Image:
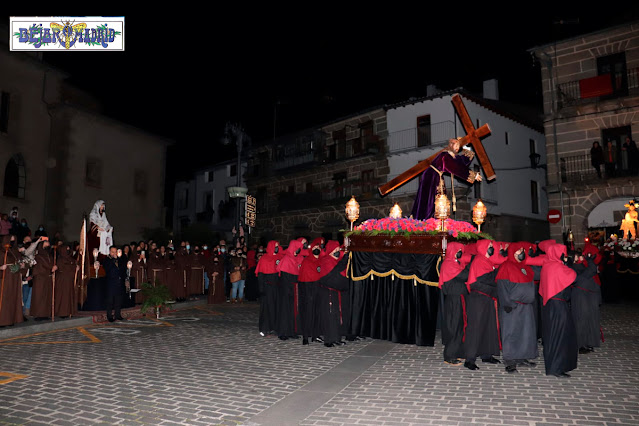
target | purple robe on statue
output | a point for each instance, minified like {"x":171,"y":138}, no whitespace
{"x":424,"y":206}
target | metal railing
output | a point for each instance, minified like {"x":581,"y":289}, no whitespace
{"x":569,"y":93}
{"x":437,"y":133}
{"x":294,"y":161}
{"x":577,"y":168}
{"x":333,"y":193}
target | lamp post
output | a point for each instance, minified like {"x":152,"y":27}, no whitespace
{"x":235,"y":133}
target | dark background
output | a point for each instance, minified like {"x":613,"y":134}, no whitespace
{"x":184,"y":74}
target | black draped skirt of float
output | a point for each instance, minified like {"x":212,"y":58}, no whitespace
{"x":560,"y":336}
{"x":394,"y":296}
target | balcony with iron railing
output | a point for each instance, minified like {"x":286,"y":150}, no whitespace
{"x":579,"y":169}
{"x":415,"y":138}
{"x":328,"y":194}
{"x":318,"y":154}
{"x":597,"y":88}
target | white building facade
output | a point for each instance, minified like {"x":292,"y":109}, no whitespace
{"x":516,"y":199}
{"x":205,"y":198}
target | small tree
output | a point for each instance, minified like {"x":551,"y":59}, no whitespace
{"x":154,"y":297}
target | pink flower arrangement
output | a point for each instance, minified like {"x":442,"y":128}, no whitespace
{"x":403,"y":225}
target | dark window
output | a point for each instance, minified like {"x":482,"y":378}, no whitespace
{"x":261,"y":200}
{"x":291,"y":189}
{"x":617,"y":135}
{"x":15,"y":177}
{"x":507,"y":138}
{"x":534,"y":157}
{"x":233,"y":171}
{"x":615,"y":66}
{"x":4,"y":112}
{"x":208,"y":199}
{"x":476,"y":185}
{"x":183,"y":202}
{"x":423,"y":131}
{"x":534,"y":196}
{"x":309,"y":186}
{"x":140,"y":183}
{"x":93,"y":172}
{"x":338,"y":149}
{"x":368,"y":183}
{"x":340,"y":184}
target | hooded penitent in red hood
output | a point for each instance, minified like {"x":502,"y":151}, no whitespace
{"x":543,"y":245}
{"x":471,"y":249}
{"x":596,"y":255}
{"x":309,"y":271}
{"x":450,"y":267}
{"x":481,"y":264}
{"x":269,"y":261}
{"x":513,"y":270}
{"x":291,"y":263}
{"x":555,"y":276}
{"x":305,"y":252}
{"x":327,"y":262}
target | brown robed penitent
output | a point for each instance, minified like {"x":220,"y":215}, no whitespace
{"x":473,"y":137}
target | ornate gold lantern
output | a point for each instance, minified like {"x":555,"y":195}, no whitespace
{"x":395,"y":212}
{"x":479,"y":214}
{"x":442,"y":205}
{"x":352,"y":210}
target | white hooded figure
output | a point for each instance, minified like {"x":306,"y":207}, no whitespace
{"x":100,"y":222}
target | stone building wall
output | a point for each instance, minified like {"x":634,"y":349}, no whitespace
{"x":577,"y":125}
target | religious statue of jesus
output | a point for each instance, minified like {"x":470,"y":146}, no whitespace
{"x":628,"y":223}
{"x":100,"y":234}
{"x":450,"y":160}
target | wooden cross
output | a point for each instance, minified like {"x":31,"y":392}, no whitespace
{"x":473,"y":137}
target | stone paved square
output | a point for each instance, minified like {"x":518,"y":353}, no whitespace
{"x":207,"y":365}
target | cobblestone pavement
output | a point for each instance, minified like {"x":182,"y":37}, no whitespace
{"x":208,"y":365}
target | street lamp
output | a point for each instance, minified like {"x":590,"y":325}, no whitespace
{"x":235,"y":133}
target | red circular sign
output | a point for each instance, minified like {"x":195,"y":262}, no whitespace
{"x":554,"y":216}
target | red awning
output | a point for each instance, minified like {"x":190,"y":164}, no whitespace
{"x":595,"y":86}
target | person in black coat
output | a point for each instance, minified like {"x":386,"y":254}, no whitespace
{"x":332,"y":286}
{"x":597,"y":157}
{"x":585,"y":302}
{"x":452,"y":282}
{"x":482,"y":332}
{"x":115,"y":269}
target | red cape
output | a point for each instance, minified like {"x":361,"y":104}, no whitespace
{"x":512,"y":269}
{"x":543,"y":245}
{"x":555,"y":276}
{"x":450,"y":266}
{"x":309,"y":271}
{"x":481,"y":264}
{"x":269,"y":261}
{"x":328,"y":263}
{"x":304,"y":252}
{"x":291,"y":263}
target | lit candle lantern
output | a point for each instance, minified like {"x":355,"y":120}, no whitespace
{"x":479,"y":213}
{"x":352,"y":210}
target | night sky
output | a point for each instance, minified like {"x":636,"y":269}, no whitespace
{"x":183,"y":76}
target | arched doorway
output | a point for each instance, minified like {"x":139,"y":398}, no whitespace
{"x":605,"y":219}
{"x":15,"y":177}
